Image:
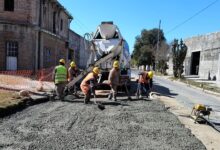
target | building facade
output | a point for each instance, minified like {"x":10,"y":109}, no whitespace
{"x":74,"y":46}
{"x":203,"y":57}
{"x":33,"y":34}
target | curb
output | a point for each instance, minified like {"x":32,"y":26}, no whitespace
{"x":192,"y":86}
{"x":25,"y":103}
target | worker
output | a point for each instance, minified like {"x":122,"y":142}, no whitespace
{"x":60,"y":76}
{"x":88,"y":84}
{"x":143,"y":83}
{"x":72,"y":73}
{"x":113,"y":79}
{"x":150,"y":74}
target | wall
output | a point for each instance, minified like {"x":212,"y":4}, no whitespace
{"x":57,"y":50}
{"x":84,"y":53}
{"x":22,"y":25}
{"x":209,"y":47}
{"x":25,"y":36}
{"x":74,"y":44}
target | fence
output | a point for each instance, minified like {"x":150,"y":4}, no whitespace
{"x":27,"y":80}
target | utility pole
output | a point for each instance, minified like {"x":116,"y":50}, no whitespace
{"x":158,"y":36}
{"x":158,"y":41}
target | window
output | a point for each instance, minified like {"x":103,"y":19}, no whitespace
{"x":9,"y":5}
{"x":54,"y":22}
{"x":47,"y":55}
{"x":71,"y":54}
{"x":61,"y":24}
{"x":12,"y":48}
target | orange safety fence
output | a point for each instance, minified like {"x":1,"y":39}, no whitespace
{"x":27,"y":80}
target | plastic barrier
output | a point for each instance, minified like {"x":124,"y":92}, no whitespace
{"x":27,"y":80}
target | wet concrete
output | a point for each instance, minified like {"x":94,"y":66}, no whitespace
{"x":136,"y":124}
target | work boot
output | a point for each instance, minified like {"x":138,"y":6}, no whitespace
{"x":86,"y":100}
{"x":114,"y":98}
{"x":110,"y":96}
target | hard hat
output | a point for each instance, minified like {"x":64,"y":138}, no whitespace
{"x":62,"y":61}
{"x":150,"y":74}
{"x":73,"y":64}
{"x":199,"y":107}
{"x":116,"y":64}
{"x":96,"y":70}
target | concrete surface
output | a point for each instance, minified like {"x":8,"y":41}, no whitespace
{"x":134,"y":124}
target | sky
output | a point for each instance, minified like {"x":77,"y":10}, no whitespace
{"x":179,"y":18}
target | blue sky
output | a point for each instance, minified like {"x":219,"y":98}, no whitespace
{"x":131,"y":16}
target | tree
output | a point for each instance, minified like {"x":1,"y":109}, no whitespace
{"x":145,"y":47}
{"x":179,"y":53}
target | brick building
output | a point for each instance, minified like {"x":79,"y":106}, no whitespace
{"x":74,"y":46}
{"x":34,"y":34}
{"x":79,"y":49}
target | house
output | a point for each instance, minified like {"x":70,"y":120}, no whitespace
{"x":203,"y":57}
{"x":34,"y":34}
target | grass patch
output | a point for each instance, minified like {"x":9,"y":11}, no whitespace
{"x":203,"y":85}
{"x":9,"y":98}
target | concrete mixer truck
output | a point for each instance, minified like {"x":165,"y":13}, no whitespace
{"x":107,"y":45}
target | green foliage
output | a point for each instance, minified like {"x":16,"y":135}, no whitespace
{"x":179,"y":53}
{"x":162,"y":66}
{"x":145,"y":46}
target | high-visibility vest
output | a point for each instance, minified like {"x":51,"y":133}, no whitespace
{"x":61,"y":74}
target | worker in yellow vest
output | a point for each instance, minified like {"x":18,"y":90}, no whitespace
{"x":60,"y":76}
{"x":88,"y":84}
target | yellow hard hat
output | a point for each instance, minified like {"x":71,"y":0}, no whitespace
{"x":96,"y":70}
{"x":199,"y":107}
{"x":150,"y":74}
{"x":62,"y":61}
{"x":116,"y":64}
{"x":73,"y":64}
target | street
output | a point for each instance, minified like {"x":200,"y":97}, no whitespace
{"x":188,"y":96}
{"x":125,"y":124}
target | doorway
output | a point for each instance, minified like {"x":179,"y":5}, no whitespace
{"x":195,"y":63}
{"x":12,"y":55}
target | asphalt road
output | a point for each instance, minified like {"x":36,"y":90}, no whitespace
{"x":189,"y":96}
{"x":186,"y":95}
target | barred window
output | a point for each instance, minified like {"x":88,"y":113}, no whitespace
{"x":12,"y":48}
{"x":47,"y":55}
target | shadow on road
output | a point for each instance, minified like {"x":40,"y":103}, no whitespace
{"x":164,"y":90}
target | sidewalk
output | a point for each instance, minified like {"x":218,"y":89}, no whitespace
{"x":203,"y":82}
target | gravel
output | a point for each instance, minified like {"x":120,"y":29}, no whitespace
{"x":137,"y":124}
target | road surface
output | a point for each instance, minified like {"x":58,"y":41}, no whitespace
{"x":136,"y":124}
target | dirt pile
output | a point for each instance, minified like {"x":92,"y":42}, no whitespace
{"x":134,"y":124}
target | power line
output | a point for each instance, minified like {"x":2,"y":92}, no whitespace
{"x":82,"y":25}
{"x":200,"y":11}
